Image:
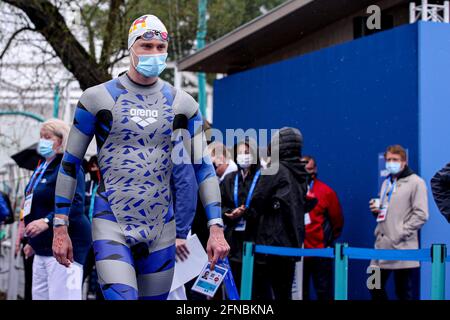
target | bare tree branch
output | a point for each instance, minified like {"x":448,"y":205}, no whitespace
{"x":51,"y":24}
{"x":12,"y":38}
{"x":87,"y":15}
{"x":130,"y":6}
{"x":44,"y":49}
{"x":118,"y":58}
{"x":177,"y":23}
{"x":87,"y":22}
{"x":113,"y":15}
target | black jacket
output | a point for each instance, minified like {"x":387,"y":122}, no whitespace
{"x":280,"y":199}
{"x":440,"y":186}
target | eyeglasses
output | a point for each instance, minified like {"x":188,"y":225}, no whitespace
{"x":151,"y":34}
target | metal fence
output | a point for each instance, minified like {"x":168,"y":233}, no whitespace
{"x":341,"y":253}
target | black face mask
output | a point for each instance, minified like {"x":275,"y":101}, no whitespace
{"x":93,"y":175}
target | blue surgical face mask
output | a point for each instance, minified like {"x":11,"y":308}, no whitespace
{"x":393,"y":167}
{"x":151,"y":65}
{"x":45,"y":148}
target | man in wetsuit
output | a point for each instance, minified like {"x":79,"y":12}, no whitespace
{"x":137,"y":120}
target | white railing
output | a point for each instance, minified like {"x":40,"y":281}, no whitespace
{"x":429,"y":12}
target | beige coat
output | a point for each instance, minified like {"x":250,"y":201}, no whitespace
{"x":407,"y":213}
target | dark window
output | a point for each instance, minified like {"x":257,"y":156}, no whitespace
{"x":360,"y":25}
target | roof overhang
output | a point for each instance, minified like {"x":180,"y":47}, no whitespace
{"x":239,"y":49}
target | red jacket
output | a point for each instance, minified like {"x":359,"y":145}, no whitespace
{"x":326,"y":218}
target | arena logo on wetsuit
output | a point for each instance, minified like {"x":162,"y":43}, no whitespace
{"x":144,"y":117}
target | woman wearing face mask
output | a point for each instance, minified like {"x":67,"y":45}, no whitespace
{"x":52,"y":281}
{"x":237,"y":190}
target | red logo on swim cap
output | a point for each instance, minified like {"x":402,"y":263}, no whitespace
{"x":142,"y":21}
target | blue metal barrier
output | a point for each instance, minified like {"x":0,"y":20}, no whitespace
{"x":295,"y":252}
{"x":247,"y":271}
{"x":383,"y":254}
{"x":437,"y":255}
{"x":341,"y":272}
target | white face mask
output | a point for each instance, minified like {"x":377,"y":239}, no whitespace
{"x":244,"y":160}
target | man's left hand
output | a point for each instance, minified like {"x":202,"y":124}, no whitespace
{"x":217,"y":247}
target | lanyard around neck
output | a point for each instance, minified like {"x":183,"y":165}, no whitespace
{"x":250,"y":192}
{"x":393,"y":186}
{"x":37,"y":176}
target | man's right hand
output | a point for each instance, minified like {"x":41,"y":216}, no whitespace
{"x":373,"y":207}
{"x":236,"y":213}
{"x":217,"y":247}
{"x":62,"y":246}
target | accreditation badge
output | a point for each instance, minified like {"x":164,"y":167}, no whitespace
{"x":307,"y":219}
{"x":241,"y":225}
{"x":209,"y":280}
{"x":27,"y":205}
{"x":383,"y":213}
